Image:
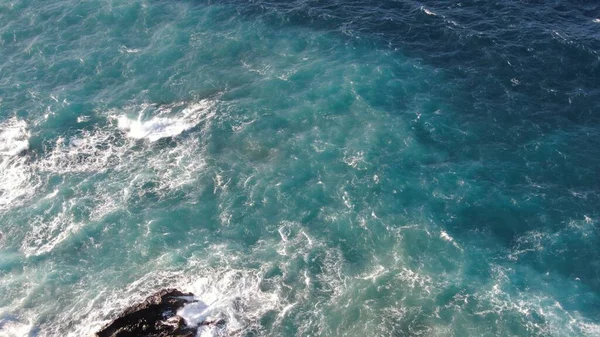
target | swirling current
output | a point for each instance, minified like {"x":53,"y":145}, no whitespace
{"x":306,"y":168}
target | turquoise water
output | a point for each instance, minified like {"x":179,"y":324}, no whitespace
{"x":305,"y":168}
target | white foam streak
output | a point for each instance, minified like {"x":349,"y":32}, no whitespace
{"x":151,"y":172}
{"x":89,"y":151}
{"x":540,"y":313}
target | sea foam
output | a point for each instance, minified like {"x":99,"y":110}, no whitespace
{"x":14,"y":137}
{"x":15,"y":175}
{"x":167,"y":123}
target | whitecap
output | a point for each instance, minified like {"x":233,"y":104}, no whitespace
{"x":47,"y":232}
{"x":15,"y":174}
{"x":14,"y":328}
{"x":16,"y":180}
{"x":124,"y":49}
{"x":14,"y":137}
{"x":171,"y":125}
{"x":446,"y":237}
{"x":374,"y":274}
{"x":154,"y":129}
{"x":427,"y":11}
{"x":355,"y":159}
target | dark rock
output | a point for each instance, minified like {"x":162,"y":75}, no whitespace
{"x":155,"y":317}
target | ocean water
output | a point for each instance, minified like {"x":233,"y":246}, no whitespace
{"x":305,"y":168}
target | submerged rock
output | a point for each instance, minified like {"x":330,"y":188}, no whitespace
{"x":155,"y":317}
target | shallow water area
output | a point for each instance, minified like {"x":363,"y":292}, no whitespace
{"x":304,"y":168}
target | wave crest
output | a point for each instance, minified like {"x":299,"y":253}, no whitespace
{"x":14,"y":137}
{"x":15,"y":175}
{"x":168,"y":122}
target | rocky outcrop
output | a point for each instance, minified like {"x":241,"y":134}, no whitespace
{"x":155,"y":317}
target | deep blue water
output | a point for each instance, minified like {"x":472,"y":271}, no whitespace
{"x":306,"y":168}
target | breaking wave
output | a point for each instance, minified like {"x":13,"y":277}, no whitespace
{"x":15,"y":176}
{"x":14,"y":137}
{"x":89,"y":155}
{"x":159,"y":127}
